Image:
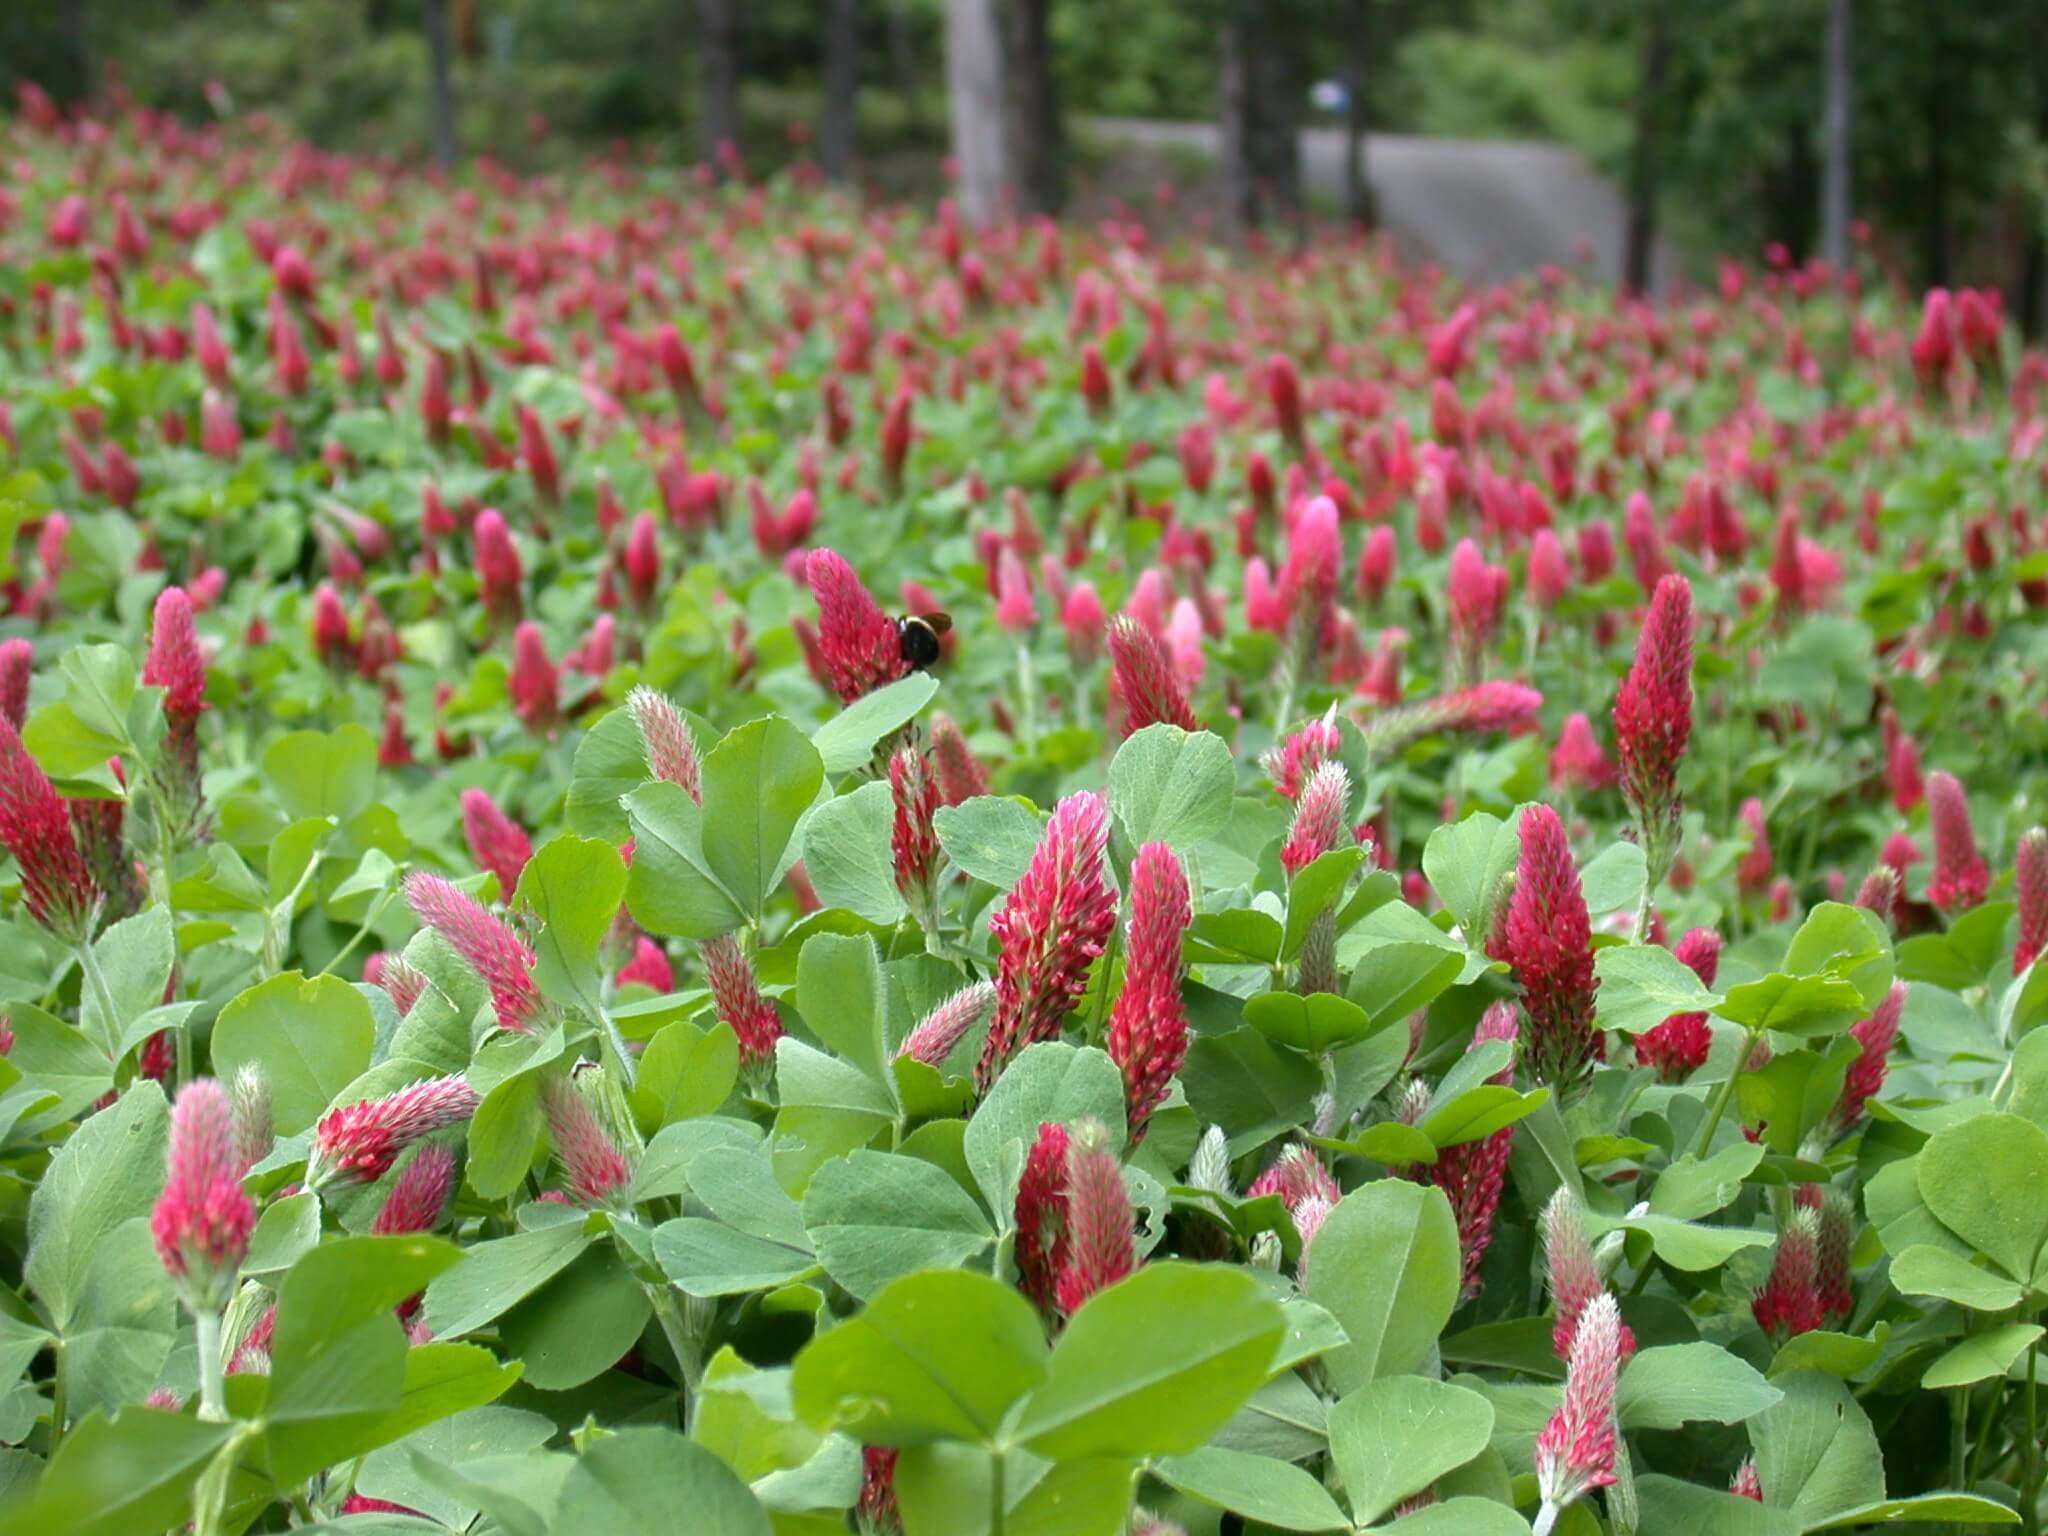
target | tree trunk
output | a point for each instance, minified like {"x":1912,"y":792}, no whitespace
{"x":1277,"y":131}
{"x":842,"y":79}
{"x":2033,"y":305}
{"x":71,"y":17}
{"x":1036,"y":142}
{"x":1837,"y":119}
{"x":1234,"y":92}
{"x":718,"y":57}
{"x":974,"y":101}
{"x":440,"y":86}
{"x":1934,"y":226}
{"x":1642,"y":180}
{"x":1358,"y":199}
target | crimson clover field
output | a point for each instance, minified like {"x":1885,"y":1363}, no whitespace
{"x":688,"y":856}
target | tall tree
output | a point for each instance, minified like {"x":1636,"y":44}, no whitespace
{"x":1641,"y":237}
{"x":440,"y":82}
{"x":974,"y":101}
{"x":1358,"y":200}
{"x":719,"y":63}
{"x":1838,"y":115}
{"x":1237,"y":105}
{"x":842,"y":80}
{"x":1038,"y":149}
{"x":1934,"y":231}
{"x":903,"y":64}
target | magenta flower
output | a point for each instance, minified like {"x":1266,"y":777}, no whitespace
{"x":935,"y":1035}
{"x":1141,"y":678}
{"x":1307,"y":584}
{"x":1678,"y":1047}
{"x":2030,"y":885}
{"x":1745,"y":1484}
{"x":358,"y":1143}
{"x":913,"y":844}
{"x":1865,"y":1077}
{"x":1476,"y":593}
{"x":400,"y":981}
{"x":1297,"y":1175}
{"x":737,"y":999}
{"x":37,"y":829}
{"x":496,"y":842}
{"x":1148,"y":1026}
{"x":534,"y":682}
{"x":1052,"y":925}
{"x":960,"y":773}
{"x":420,"y":1196}
{"x":1098,"y":1220}
{"x":1570,"y":1274}
{"x":1470,"y":1173}
{"x":857,"y":642}
{"x":498,"y":569}
{"x":1753,"y":872}
{"x":1319,"y":824}
{"x":1491,"y":706}
{"x":202,"y":1220}
{"x":1880,"y":893}
{"x":1575,"y":1450}
{"x":1788,"y":1302}
{"x":1290,"y":764}
{"x":1653,"y":722}
{"x":1375,"y":571}
{"x":649,"y":967}
{"x":1546,"y":939}
{"x":1578,"y":764}
{"x":174,"y":662}
{"x":17,"y":660}
{"x":1960,"y":879}
{"x":1040,"y":1217}
{"x":485,"y":945}
{"x":1834,"y":1214}
{"x":596,"y":1171}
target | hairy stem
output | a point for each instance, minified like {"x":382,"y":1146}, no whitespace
{"x":1718,"y":1105}
{"x":212,"y":1379}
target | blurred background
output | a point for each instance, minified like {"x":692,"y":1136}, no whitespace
{"x":1638,"y":138}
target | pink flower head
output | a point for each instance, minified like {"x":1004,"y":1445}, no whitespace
{"x":2030,"y":885}
{"x":896,"y":433}
{"x":202,"y":1220}
{"x":1570,"y":1274}
{"x":358,"y":1143}
{"x":1880,"y":893}
{"x":1753,"y":873}
{"x":37,"y":829}
{"x":1095,"y":387}
{"x":648,"y":968}
{"x":1296,"y":1176}
{"x":1678,"y":1047}
{"x":1290,"y":764}
{"x":1283,"y":389}
{"x":1450,"y":343}
{"x":1575,"y":1450}
{"x":1865,"y":1077}
{"x":913,"y":844}
{"x":1375,"y":571}
{"x":1547,"y":941}
{"x":496,"y":842}
{"x":1319,"y":825}
{"x":1960,"y":878}
{"x":1835,"y":1236}
{"x":1148,"y":1026}
{"x":1142,"y":678}
{"x":1645,"y":543}
{"x":935,"y":1035}
{"x":857,"y":641}
{"x":1653,"y":721}
{"x":498,"y":570}
{"x":1308,"y":579}
{"x":736,"y":996}
{"x":1098,"y":1220}
{"x":1934,"y":347}
{"x":17,"y":660}
{"x":1184,"y":644}
{"x":1745,"y":1484}
{"x":1578,"y":763}
{"x":1471,"y":1173}
{"x":1476,"y":593}
{"x":1902,"y":772}
{"x":1550,"y":575}
{"x":420,"y":1196}
{"x":1082,"y":617}
{"x":596,"y":1171}
{"x":643,"y":561}
{"x":878,"y":1505}
{"x":1016,"y":608}
{"x":485,"y":945}
{"x":960,"y":773}
{"x":535,"y":684}
{"x":1041,"y":1217}
{"x":671,"y":749}
{"x":1789,"y":1303}
{"x":174,"y":662}
{"x":1491,"y":706}
{"x":401,"y":982}
{"x":1052,"y":925}
{"x":538,"y":454}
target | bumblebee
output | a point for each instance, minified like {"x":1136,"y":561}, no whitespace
{"x":917,"y":638}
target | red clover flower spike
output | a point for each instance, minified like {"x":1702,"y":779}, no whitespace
{"x":856,"y":640}
{"x":1653,"y":722}
{"x":1575,"y":1450}
{"x":1148,"y":1026}
{"x":1547,"y":942}
{"x":485,"y":945}
{"x":202,"y":1220}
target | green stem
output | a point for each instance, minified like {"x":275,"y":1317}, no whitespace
{"x":1027,"y":698}
{"x":682,"y":1340}
{"x":1718,"y":1105}
{"x":361,"y":933}
{"x":212,"y":1379}
{"x":57,"y":1396}
{"x":2030,"y":1501}
{"x":166,"y":859}
{"x":997,"y":1501}
{"x":1958,"y":1437}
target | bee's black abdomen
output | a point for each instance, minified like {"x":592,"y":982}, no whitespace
{"x":918,"y":642}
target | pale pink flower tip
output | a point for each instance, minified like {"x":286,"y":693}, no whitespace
{"x":1099,"y":1248}
{"x":202,"y":1220}
{"x":1319,"y":825}
{"x":174,"y":662}
{"x":1575,"y":1451}
{"x":358,"y":1143}
{"x":737,"y":999}
{"x":2030,"y":885}
{"x":421,"y":1194}
{"x":935,"y":1035}
{"x":671,"y":749}
{"x":596,"y":1171}
{"x":485,"y":945}
{"x":17,"y":661}
{"x":497,"y":843}
{"x":1570,"y":1274}
{"x":1960,"y":879}
{"x":1142,"y":678}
